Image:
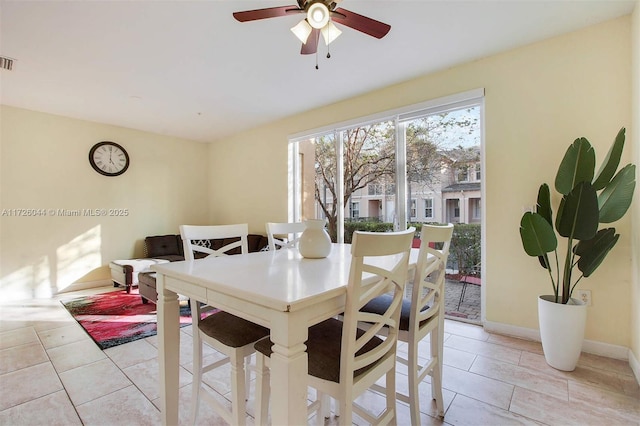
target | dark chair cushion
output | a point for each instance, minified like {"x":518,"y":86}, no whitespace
{"x":170,"y":257}
{"x":231,"y":330}
{"x":380,"y":304}
{"x":323,"y":348}
{"x":163,"y":245}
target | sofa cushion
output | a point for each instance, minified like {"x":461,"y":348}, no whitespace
{"x":257,"y":242}
{"x":171,"y":257}
{"x":169,"y":247}
{"x":163,"y":245}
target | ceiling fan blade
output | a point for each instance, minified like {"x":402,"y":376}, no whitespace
{"x":311,"y":46}
{"x":270,"y":12}
{"x":361,"y":23}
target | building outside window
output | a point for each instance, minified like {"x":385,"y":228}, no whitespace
{"x":428,"y":208}
{"x":375,"y":189}
{"x":355,"y":210}
{"x":475,"y":208}
{"x":478,"y":172}
{"x":439,"y":146}
{"x":390,"y":189}
{"x":463,"y":173}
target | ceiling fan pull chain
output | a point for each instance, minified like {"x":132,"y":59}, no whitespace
{"x":317,"y":59}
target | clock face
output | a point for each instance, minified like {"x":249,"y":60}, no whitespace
{"x":109,"y":158}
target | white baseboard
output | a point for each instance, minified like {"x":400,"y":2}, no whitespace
{"x":635,"y":365}
{"x":85,"y":285}
{"x":589,"y":346}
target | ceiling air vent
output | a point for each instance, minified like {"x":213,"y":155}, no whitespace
{"x":6,"y":63}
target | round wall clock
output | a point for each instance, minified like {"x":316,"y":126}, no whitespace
{"x":109,"y":158}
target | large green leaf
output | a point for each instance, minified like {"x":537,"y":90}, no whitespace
{"x":544,"y":203}
{"x":544,"y":261}
{"x":615,"y":199}
{"x":578,"y":214}
{"x":578,"y":165}
{"x":538,"y":237}
{"x":592,"y":252}
{"x":610,"y":164}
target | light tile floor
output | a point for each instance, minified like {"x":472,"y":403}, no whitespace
{"x":52,"y":373}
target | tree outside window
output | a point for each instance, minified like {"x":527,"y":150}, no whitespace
{"x":369,"y":159}
{"x":462,"y":174}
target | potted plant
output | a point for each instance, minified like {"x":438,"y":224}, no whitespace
{"x":587,"y":200}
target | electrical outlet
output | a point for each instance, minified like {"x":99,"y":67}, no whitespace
{"x":585,"y":296}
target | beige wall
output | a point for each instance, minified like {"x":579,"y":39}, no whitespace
{"x":538,"y":100}
{"x":635,"y":137}
{"x":44,"y":165}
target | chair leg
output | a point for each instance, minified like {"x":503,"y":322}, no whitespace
{"x":345,"y":408}
{"x":390,"y":391}
{"x":239,"y":404}
{"x":197,"y":376}
{"x":263,"y":390}
{"x":436,"y":389}
{"x":414,"y":392}
{"x":437,"y":348}
{"x":325,"y":404}
{"x":247,"y":377}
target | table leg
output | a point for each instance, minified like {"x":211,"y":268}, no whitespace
{"x":289,"y":370}
{"x":168,"y":351}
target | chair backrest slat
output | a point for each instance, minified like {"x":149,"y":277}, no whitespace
{"x":193,"y":234}
{"x":291,"y":231}
{"x":427,"y":296}
{"x":365,"y":283}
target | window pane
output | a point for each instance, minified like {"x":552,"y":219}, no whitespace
{"x":317,"y":158}
{"x":369,"y":175}
{"x":442,"y":152}
{"x":428,"y":208}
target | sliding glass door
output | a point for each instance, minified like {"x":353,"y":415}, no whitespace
{"x":413,"y":167}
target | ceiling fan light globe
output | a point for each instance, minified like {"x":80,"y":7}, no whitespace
{"x":318,"y":15}
{"x":302,"y":30}
{"x":330,"y":32}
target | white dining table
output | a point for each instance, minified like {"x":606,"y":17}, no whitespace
{"x":278,"y":289}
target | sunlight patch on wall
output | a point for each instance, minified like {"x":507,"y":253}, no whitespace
{"x":30,"y":282}
{"x":78,"y":257}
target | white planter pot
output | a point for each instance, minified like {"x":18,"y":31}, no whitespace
{"x":561,"y":331}
{"x":314,"y":242}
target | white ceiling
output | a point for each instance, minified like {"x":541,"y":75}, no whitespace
{"x":188,"y":69}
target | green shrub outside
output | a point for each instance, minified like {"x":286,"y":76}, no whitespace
{"x":464,"y":253}
{"x":350,"y":226}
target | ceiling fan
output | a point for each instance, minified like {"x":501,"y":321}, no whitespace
{"x":320,"y":16}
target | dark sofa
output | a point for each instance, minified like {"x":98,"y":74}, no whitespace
{"x":169,"y":247}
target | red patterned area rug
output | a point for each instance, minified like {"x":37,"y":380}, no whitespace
{"x":116,"y":317}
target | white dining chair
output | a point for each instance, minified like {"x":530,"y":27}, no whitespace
{"x":232,"y":336}
{"x":344,"y":360}
{"x":423,"y":315}
{"x":284,"y":235}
